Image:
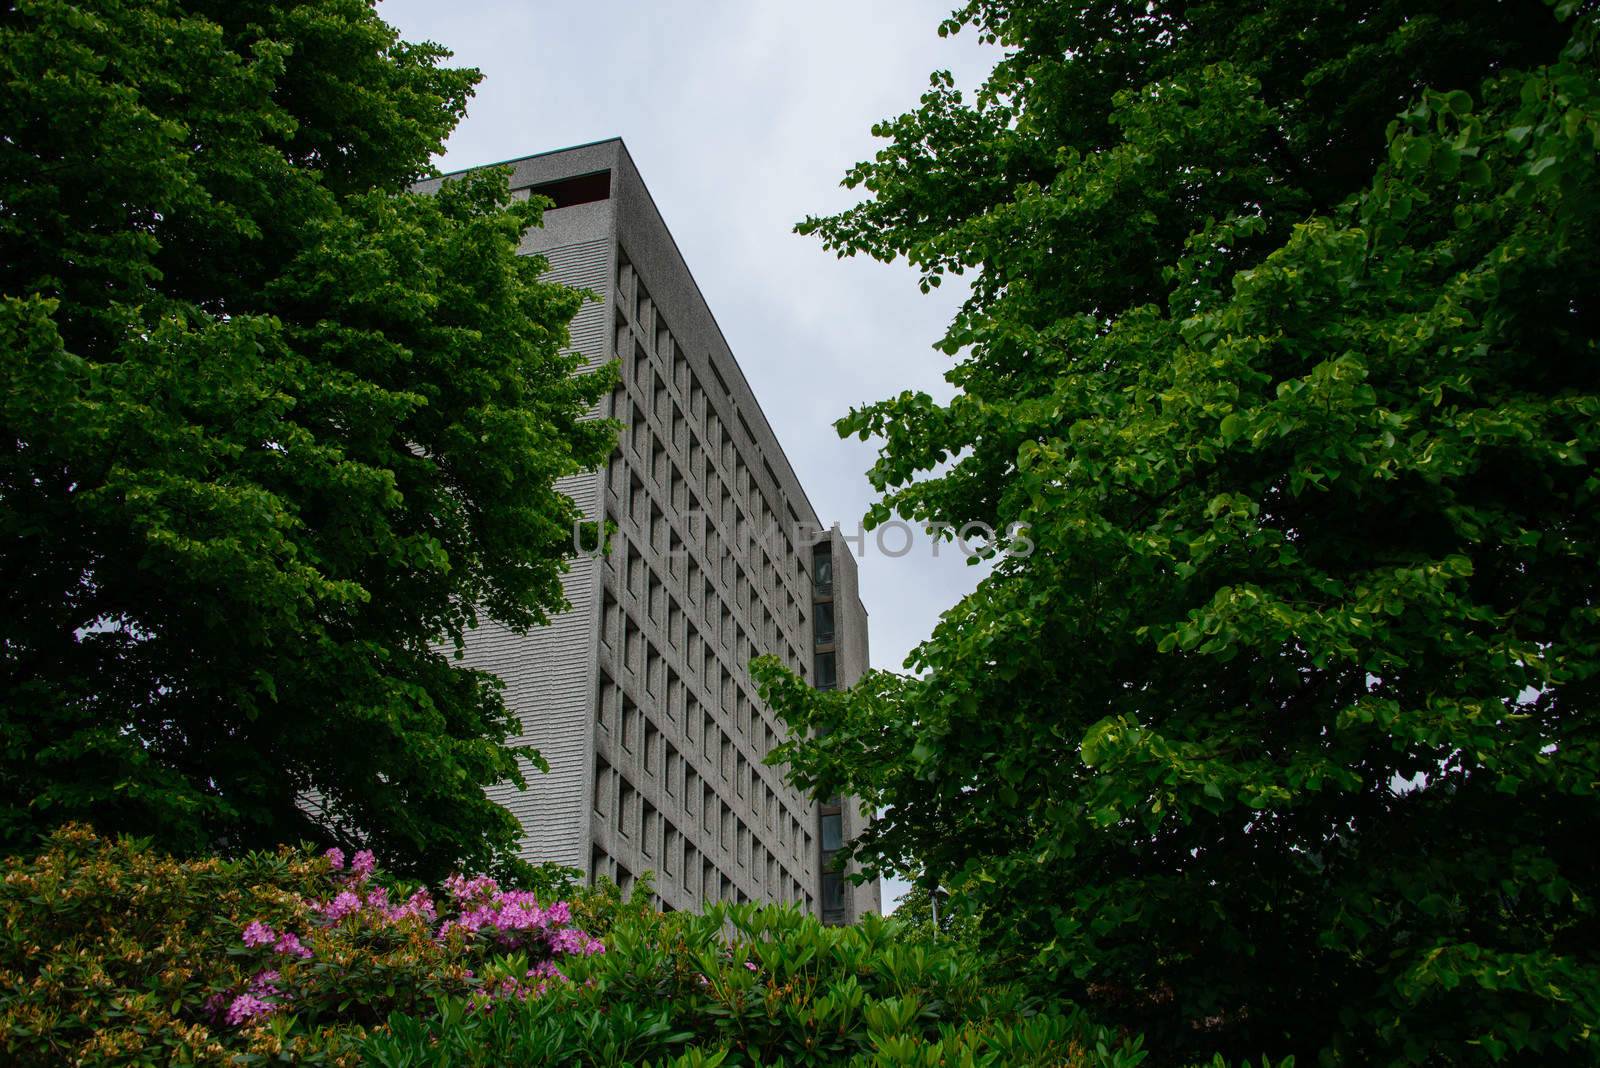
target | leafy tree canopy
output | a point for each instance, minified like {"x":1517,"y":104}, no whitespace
{"x":274,"y":427}
{"x":1282,"y":343}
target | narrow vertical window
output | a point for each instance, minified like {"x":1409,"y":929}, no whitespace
{"x":827,"y":677}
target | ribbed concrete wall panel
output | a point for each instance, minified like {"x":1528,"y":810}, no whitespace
{"x":549,"y":672}
{"x":586,"y":265}
{"x":549,"y":683}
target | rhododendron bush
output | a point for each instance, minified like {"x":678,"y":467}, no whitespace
{"x":113,"y":953}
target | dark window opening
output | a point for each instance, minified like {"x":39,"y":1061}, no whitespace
{"x":827,"y":678}
{"x":832,"y":895}
{"x":832,"y":831}
{"x":584,"y":189}
{"x":822,"y":569}
{"x":822,"y":622}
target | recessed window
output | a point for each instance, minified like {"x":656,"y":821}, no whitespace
{"x":649,"y":831}
{"x":832,"y":895}
{"x":822,"y":569}
{"x":641,"y":368}
{"x":606,"y":701}
{"x":602,"y":787}
{"x":630,"y":725}
{"x":627,"y":801}
{"x":822,"y":623}
{"x":827,"y":677}
{"x":832,"y":831}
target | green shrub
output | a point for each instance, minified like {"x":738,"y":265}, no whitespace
{"x":743,"y":985}
{"x":113,"y":954}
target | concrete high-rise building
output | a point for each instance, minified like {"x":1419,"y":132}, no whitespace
{"x":639,"y":696}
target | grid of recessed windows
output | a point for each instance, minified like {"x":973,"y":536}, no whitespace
{"x":703,"y":570}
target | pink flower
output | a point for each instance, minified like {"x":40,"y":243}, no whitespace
{"x":340,"y":907}
{"x":568,"y":940}
{"x":418,"y":904}
{"x":215,"y":1006}
{"x":363,"y":863}
{"x":257,"y":934}
{"x":335,"y":858}
{"x":751,"y":965}
{"x":246,"y":1007}
{"x":463,"y":889}
{"x":290,"y":943}
{"x":546,"y":969}
{"x":264,"y":982}
{"x":544,"y":972}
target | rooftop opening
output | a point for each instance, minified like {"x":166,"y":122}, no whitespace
{"x":582,"y":189}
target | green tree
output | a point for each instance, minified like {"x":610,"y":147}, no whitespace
{"x":275,"y":428}
{"x":1282,"y":344}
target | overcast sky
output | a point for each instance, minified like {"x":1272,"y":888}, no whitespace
{"x":742,"y":118}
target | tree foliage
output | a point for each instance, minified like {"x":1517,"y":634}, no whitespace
{"x":1282,"y":344}
{"x":274,"y":427}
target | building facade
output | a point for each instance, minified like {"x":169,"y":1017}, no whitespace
{"x":639,"y":695}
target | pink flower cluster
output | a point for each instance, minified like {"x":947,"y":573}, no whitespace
{"x":345,"y":903}
{"x":376,"y":901}
{"x":361,"y":865}
{"x":258,"y":934}
{"x":483,"y":914}
{"x":290,"y":943}
{"x":245,"y":1008}
{"x":462,"y":889}
{"x":242,"y":1008}
{"x":512,"y":916}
